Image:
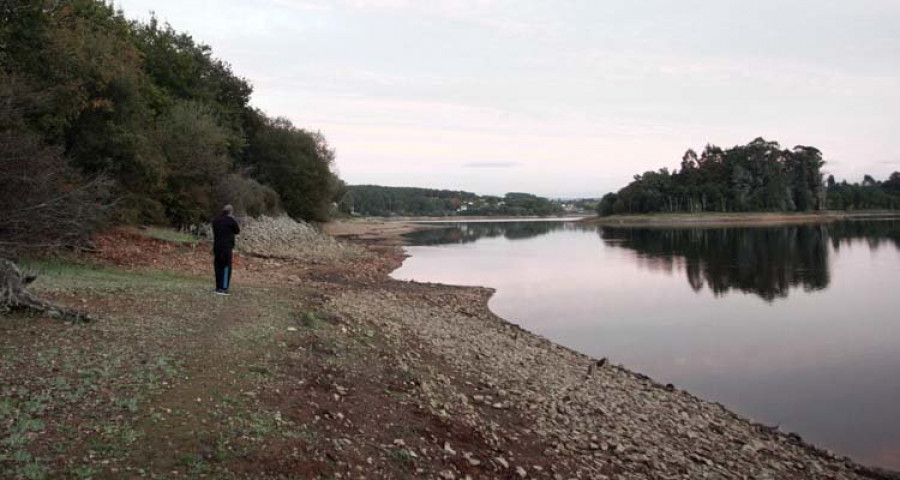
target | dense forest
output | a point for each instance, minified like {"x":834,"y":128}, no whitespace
{"x":104,"y":117}
{"x":373,"y":200}
{"x":871,"y":194}
{"x":759,"y":176}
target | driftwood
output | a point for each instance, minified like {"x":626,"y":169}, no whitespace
{"x":14,"y":295}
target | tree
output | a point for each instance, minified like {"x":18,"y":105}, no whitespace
{"x":194,"y":147}
{"x":182,"y":69}
{"x":607,"y":204}
{"x":298,"y":165}
{"x":44,"y":202}
{"x":868,"y":181}
{"x":892,"y":184}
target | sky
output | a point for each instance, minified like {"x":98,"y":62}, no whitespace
{"x":563,"y":98}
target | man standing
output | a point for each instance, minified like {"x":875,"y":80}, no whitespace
{"x":224,"y":228}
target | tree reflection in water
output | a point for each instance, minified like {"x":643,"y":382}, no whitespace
{"x":766,"y":261}
{"x":471,"y":231}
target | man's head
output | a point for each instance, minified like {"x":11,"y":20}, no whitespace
{"x":228,"y":209}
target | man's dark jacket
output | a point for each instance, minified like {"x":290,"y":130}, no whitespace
{"x":225,"y":227}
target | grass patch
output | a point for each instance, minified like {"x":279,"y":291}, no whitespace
{"x":195,"y":464}
{"x":311,"y":320}
{"x":403,"y":457}
{"x":56,"y":271}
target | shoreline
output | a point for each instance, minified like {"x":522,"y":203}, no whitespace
{"x":324,"y":365}
{"x":755,"y":220}
{"x":735,"y":219}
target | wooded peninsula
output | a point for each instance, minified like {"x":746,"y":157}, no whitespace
{"x":757,"y":177}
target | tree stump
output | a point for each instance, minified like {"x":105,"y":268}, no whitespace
{"x":15,"y":296}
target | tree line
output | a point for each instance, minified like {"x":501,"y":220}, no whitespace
{"x":757,"y":177}
{"x":139,"y":122}
{"x":871,"y":194}
{"x":379,"y":201}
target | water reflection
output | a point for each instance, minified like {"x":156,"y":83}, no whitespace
{"x":874,"y":233}
{"x":451,"y":233}
{"x":763,"y":261}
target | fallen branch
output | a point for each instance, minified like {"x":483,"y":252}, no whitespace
{"x":14,"y":295}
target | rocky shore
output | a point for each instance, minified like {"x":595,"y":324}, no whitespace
{"x":593,"y":419}
{"x":321,"y":366}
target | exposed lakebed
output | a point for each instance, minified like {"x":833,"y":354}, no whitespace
{"x":795,"y":326}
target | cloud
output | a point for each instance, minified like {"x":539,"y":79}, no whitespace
{"x":491,"y":164}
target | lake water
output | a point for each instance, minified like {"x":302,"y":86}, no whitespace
{"x":797,"y":326}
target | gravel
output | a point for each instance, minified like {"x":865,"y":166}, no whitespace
{"x":286,"y":238}
{"x":595,"y":420}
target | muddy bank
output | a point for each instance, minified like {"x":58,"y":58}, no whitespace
{"x":734,"y":219}
{"x":370,"y":232}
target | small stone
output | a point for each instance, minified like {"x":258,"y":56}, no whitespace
{"x":521,"y":472}
{"x":502,"y":462}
